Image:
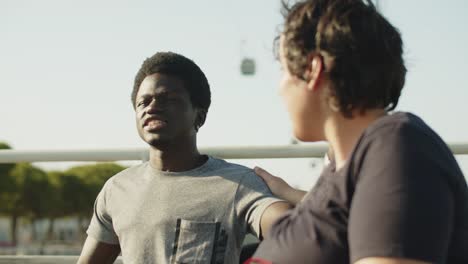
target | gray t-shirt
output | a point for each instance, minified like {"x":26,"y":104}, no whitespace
{"x":197,"y":216}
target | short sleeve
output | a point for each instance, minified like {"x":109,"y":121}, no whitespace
{"x":101,"y":227}
{"x":403,"y":205}
{"x":252,"y":198}
{"x":305,"y":235}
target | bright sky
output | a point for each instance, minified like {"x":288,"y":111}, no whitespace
{"x":67,"y":70}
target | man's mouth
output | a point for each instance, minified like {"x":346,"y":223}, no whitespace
{"x":154,"y":124}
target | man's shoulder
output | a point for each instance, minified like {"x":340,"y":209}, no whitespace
{"x":229,"y":168}
{"x":399,"y":124}
{"x":242,"y":175}
{"x":404,"y":141}
{"x":401,"y":130}
{"x":133,"y":170}
{"x":130,"y":173}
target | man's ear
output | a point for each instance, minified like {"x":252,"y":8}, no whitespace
{"x":314,"y":71}
{"x":200,"y":118}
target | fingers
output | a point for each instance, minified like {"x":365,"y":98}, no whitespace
{"x":263,"y":173}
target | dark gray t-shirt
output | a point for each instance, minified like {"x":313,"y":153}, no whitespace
{"x":196,"y":216}
{"x":401,"y":194}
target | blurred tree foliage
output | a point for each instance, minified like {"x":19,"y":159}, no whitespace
{"x":27,"y":191}
{"x":5,"y":168}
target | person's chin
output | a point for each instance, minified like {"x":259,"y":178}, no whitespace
{"x":156,"y":140}
{"x":306,"y":135}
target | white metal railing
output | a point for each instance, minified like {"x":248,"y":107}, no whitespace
{"x":315,"y":150}
{"x":227,"y":152}
{"x":43,"y":260}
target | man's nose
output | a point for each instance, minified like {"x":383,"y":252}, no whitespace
{"x":155,"y":105}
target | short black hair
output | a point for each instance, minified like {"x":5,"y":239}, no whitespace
{"x":367,"y":69}
{"x":185,"y":69}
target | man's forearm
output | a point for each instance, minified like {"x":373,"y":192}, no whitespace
{"x":294,"y":196}
{"x":271,"y":214}
{"x":95,"y":252}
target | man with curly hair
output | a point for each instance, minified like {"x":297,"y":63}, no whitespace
{"x":180,"y":206}
{"x":393,"y":192}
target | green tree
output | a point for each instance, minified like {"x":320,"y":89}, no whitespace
{"x":37,"y":194}
{"x":25,"y":195}
{"x":7,"y":188}
{"x":5,"y":168}
{"x":58,"y":203}
{"x":56,"y":206}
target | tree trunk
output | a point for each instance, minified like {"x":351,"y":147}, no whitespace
{"x":14,"y":223}
{"x":50,"y":231}
{"x":48,"y":236}
{"x":33,"y":229}
{"x":81,"y":232}
{"x":83,"y":223}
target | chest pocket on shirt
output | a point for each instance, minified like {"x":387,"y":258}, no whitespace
{"x":195,"y":242}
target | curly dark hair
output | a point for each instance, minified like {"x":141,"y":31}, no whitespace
{"x":367,"y":69}
{"x":181,"y":67}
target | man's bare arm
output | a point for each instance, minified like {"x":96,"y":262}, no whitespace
{"x":269,"y":216}
{"x":96,"y":252}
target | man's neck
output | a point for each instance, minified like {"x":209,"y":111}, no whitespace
{"x":176,"y":157}
{"x":343,"y":133}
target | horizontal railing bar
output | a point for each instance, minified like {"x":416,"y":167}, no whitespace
{"x":459,"y":148}
{"x":315,"y":150}
{"x":227,"y":152}
{"x":33,"y":259}
{"x":11,"y":156}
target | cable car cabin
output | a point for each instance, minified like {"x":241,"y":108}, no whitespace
{"x":248,"y":66}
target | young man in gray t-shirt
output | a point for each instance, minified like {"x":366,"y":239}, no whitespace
{"x":180,"y":206}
